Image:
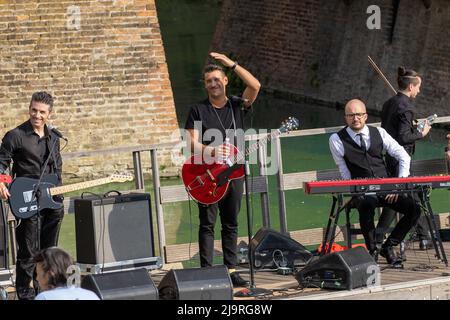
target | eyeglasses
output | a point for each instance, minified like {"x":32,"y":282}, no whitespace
{"x":358,"y":115}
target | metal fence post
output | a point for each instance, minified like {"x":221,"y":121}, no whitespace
{"x":138,"y":174}
{"x":158,"y":205}
{"x":262,"y":160}
{"x":280,"y":184}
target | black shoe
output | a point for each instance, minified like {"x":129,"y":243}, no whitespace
{"x":425,"y":244}
{"x":391,"y":257}
{"x":237,"y":280}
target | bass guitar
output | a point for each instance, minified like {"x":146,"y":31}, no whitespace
{"x":27,"y":198}
{"x":208,"y":183}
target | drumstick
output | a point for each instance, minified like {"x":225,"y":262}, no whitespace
{"x":374,"y":65}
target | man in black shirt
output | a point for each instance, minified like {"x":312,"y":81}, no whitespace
{"x":397,"y":118}
{"x":210,"y":123}
{"x":28,"y":146}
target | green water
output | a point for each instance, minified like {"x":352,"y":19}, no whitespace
{"x":303,"y":211}
{"x":187,"y":28}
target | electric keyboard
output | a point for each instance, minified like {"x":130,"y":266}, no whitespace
{"x":376,"y":185}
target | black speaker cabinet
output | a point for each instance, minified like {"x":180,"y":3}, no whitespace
{"x":211,"y":283}
{"x":347,"y":270}
{"x":122,"y":285}
{"x":271,"y":248}
{"x":115,"y":228}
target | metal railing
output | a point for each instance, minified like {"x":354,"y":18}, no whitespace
{"x":163,"y":194}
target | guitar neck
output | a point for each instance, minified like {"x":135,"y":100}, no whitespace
{"x":255,"y":146}
{"x":78,"y":186}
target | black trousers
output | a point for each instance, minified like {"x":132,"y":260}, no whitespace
{"x":28,"y":245}
{"x":388,"y":215}
{"x":406,"y":204}
{"x":228,"y":208}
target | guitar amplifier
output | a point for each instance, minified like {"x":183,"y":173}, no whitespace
{"x":114,"y":228}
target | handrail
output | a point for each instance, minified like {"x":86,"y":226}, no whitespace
{"x":181,"y":143}
{"x":284,"y":180}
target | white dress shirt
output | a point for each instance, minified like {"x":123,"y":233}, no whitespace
{"x":67,"y":293}
{"x":389,"y":145}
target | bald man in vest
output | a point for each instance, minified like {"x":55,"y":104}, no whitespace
{"x":358,"y":151}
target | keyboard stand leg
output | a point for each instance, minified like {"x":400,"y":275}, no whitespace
{"x":340,"y":207}
{"x":330,"y":232}
{"x":348,"y":226}
{"x":327,"y":236}
{"x":434,"y":232}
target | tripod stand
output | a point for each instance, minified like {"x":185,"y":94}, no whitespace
{"x":252,"y":290}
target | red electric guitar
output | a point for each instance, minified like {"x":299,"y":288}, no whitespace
{"x":208,"y":183}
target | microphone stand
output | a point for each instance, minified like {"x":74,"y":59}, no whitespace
{"x":36,"y":193}
{"x":252,"y":290}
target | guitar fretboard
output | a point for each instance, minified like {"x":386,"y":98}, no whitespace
{"x":241,"y":156}
{"x":78,"y":186}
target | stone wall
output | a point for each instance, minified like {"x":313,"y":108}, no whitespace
{"x":317,"y":49}
{"x":104,"y":62}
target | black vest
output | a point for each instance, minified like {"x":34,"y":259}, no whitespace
{"x":362,"y":164}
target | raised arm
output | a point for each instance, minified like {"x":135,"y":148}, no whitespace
{"x":252,"y":84}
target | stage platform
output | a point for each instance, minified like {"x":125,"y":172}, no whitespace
{"x":422,"y":278}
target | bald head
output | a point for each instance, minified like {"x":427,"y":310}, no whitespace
{"x":355,"y":114}
{"x":355,"y":106}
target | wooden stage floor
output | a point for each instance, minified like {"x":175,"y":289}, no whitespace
{"x":423,"y":277}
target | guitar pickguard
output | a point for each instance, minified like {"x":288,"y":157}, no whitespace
{"x":27,"y":196}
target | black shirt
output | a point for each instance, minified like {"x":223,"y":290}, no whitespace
{"x":397,"y":118}
{"x":28,"y":152}
{"x":226,"y":120}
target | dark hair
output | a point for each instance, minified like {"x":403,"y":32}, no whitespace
{"x":54,"y":262}
{"x":212,"y":67}
{"x":407,"y":77}
{"x":42,"y":97}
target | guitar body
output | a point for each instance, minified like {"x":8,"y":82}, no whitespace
{"x":22,"y":202}
{"x":208,"y":183}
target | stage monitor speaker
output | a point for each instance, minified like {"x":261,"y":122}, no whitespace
{"x":345,"y":270}
{"x":210,"y":283}
{"x":122,"y":285}
{"x":272,"y":249}
{"x":114,"y":228}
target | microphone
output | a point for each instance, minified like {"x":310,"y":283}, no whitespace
{"x":57,"y":132}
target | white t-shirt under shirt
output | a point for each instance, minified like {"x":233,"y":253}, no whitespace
{"x":67,"y":293}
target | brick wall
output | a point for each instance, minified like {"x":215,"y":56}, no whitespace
{"x":104,"y":62}
{"x":318,"y":48}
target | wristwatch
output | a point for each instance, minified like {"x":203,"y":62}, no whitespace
{"x":234,"y":65}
